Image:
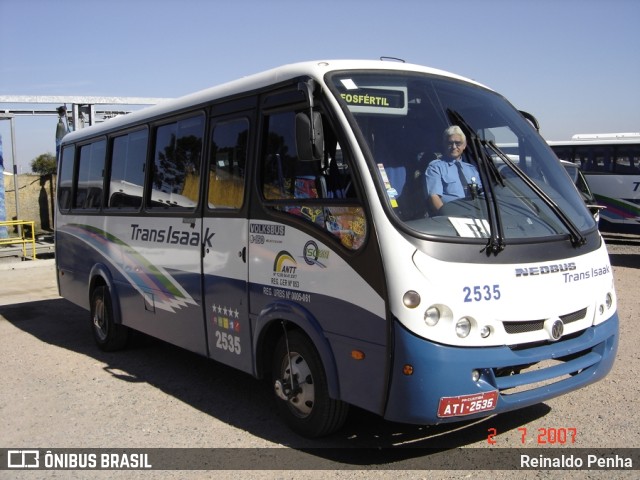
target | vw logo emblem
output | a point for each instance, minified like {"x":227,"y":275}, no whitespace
{"x":557,"y":329}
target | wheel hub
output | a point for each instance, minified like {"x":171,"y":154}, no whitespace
{"x":296,"y":386}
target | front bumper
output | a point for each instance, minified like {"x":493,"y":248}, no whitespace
{"x":521,"y":377}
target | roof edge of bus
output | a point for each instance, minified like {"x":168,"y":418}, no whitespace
{"x":257,"y":81}
{"x":605,"y":136}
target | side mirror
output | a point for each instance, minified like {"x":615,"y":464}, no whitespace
{"x":309,"y":137}
{"x":533,"y":120}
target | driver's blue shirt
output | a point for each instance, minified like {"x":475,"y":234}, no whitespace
{"x":443,"y":179}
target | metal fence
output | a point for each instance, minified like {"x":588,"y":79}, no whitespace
{"x":26,"y":235}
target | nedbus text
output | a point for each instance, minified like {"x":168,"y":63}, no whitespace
{"x":171,"y":236}
{"x":545,"y":269}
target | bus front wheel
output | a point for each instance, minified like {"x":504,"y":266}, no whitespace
{"x":300,"y":384}
{"x":109,"y":336}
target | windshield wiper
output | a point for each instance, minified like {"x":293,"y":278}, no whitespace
{"x":577,"y":239}
{"x":488,"y":172}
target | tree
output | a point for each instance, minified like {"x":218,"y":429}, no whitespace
{"x":44,"y":164}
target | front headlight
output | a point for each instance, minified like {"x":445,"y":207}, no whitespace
{"x":463,"y":327}
{"x":608,"y":300}
{"x":485,"y":331}
{"x":432,"y":316}
{"x":411,"y":299}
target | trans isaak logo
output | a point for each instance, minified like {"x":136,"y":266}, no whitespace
{"x":157,"y":286}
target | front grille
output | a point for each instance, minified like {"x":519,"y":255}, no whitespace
{"x":513,"y":328}
{"x":574,"y":317}
{"x":523,"y":327}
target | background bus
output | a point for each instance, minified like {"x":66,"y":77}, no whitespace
{"x":611,"y":165}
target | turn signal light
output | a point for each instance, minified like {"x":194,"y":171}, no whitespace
{"x":357,"y":354}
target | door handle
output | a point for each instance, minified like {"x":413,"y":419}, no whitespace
{"x":243,"y":254}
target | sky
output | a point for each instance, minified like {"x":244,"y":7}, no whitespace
{"x":574,"y":64}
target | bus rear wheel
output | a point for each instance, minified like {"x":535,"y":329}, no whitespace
{"x":300,"y":384}
{"x":109,"y":336}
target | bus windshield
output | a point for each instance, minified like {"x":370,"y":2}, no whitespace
{"x":482,"y":193}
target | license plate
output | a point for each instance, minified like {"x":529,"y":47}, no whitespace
{"x":467,"y":404}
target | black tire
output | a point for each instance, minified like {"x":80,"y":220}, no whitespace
{"x":310,"y":412}
{"x":109,"y":336}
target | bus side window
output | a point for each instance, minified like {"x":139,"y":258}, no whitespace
{"x":338,"y":176}
{"x":176,"y":168}
{"x":563,"y":153}
{"x":128,"y":157}
{"x":90,"y":176}
{"x":229,"y":144}
{"x":585,"y":155}
{"x":319,"y":191}
{"x":66,"y":178}
{"x":280,"y":157}
{"x":625,"y":163}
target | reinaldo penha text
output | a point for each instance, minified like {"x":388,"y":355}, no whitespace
{"x":576,"y":461}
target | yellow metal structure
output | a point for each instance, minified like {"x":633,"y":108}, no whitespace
{"x":23,"y":239}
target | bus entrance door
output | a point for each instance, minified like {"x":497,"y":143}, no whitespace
{"x":225,"y":273}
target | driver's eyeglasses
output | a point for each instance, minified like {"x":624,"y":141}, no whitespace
{"x":455,"y":144}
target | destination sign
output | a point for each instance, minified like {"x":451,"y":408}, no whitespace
{"x":383,"y":100}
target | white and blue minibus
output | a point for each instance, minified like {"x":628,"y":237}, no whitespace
{"x":279,"y":224}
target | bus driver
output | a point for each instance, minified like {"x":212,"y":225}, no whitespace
{"x":448,"y":178}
